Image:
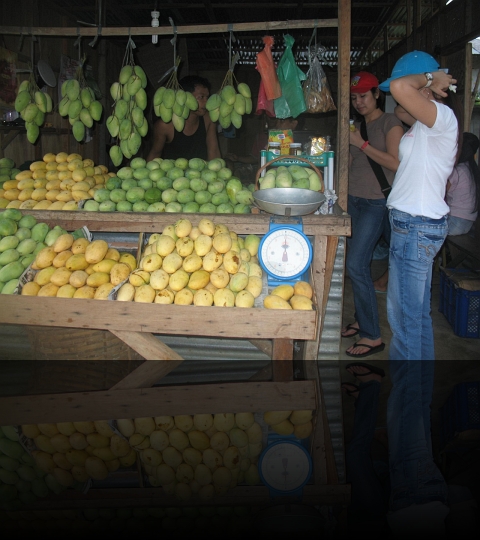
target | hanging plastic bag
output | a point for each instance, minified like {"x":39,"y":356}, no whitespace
{"x":292,"y":101}
{"x":264,"y":104}
{"x":318,"y":97}
{"x":266,"y":68}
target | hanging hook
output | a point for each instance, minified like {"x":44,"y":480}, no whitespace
{"x":232,"y":39}
{"x":173,"y":41}
{"x":99,"y":33}
{"x":130,"y":42}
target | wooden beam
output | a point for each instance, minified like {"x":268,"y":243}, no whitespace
{"x":264,"y":345}
{"x":157,"y":401}
{"x":282,"y":369}
{"x":150,"y":347}
{"x":148,"y":374}
{"x":282,"y":351}
{"x":270,"y":26}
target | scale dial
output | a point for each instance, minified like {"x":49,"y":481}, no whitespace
{"x":285,"y":466}
{"x":285,"y":253}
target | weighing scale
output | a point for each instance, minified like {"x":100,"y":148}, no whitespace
{"x":285,"y":252}
{"x":285,"y":466}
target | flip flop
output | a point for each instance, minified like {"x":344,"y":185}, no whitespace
{"x":350,"y":392}
{"x":351,"y":327}
{"x":371,"y":369}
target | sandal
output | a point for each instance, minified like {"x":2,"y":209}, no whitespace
{"x":350,"y":327}
{"x":350,"y":392}
{"x":371,"y":369}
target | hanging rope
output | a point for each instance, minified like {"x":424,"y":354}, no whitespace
{"x":173,"y":41}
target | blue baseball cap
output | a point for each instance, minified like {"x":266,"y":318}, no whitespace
{"x":411,"y":63}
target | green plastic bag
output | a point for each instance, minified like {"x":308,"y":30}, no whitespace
{"x":292,"y":100}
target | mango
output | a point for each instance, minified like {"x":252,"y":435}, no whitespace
{"x":79,"y":246}
{"x":183,"y":297}
{"x":244,"y":299}
{"x":61,"y":258}
{"x":126,"y":293}
{"x":129,"y":260}
{"x":238,"y":282}
{"x":8,"y":256}
{"x":42,"y":277}
{"x":65,"y":291}
{"x":273,"y":301}
{"x":9,"y":242}
{"x":11,"y":271}
{"x":60,"y":276}
{"x":119,"y":273}
{"x":178,"y":280}
{"x":224,"y":298}
{"x":76,"y":262}
{"x":84,"y":292}
{"x":98,"y":278}
{"x":96,"y":251}
{"x":8,"y":227}
{"x":103,"y":291}
{"x":48,"y":290}
{"x":30,"y":289}
{"x":202,"y":297}
{"x":284,"y":291}
{"x":301,"y":302}
{"x":303,"y":288}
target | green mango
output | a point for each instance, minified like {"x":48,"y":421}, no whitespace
{"x":24,"y":85}
{"x":11,"y":271}
{"x":125,"y":74}
{"x":191,"y":101}
{"x":168,"y":98}
{"x":52,"y":235}
{"x":27,"y":246}
{"x":39,"y":231}
{"x":7,"y":226}
{"x":236,"y":119}
{"x":244,"y":90}
{"x":72,"y":89}
{"x":95,"y":109}
{"x":86,"y":118}
{"x":116,"y":90}
{"x":141,"y":99}
{"x":228,"y":94}
{"x":315,"y":182}
{"x":134,"y":84}
{"x":113,"y":125}
{"x":7,"y":163}
{"x":239,"y":105}
{"x":180,"y":96}
{"x":213,"y":102}
{"x":215,"y":114}
{"x":138,"y":116}
{"x":74,"y":108}
{"x":116,"y":155}
{"x":30,"y":112}
{"x":27,"y":221}
{"x":39,"y":119}
{"x":121,"y":108}
{"x":225,"y":121}
{"x":141,"y":74}
{"x":78,"y":130}
{"x":124,"y":148}
{"x":158,"y":96}
{"x":9,"y":242}
{"x":49,"y":103}
{"x":178,"y":122}
{"x":165,"y":113}
{"x":33,"y":131}
{"x":248,"y":105}
{"x":85,"y":97}
{"x":27,"y":260}
{"x":22,"y":100}
{"x":12,"y":213}
{"x":8,"y":256}
{"x":41,"y":100}
{"x":125,"y":129}
{"x":143,"y":129}
{"x":133,"y":143}
{"x":63,"y":106}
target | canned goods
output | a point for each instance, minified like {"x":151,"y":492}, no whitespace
{"x":295,"y":149}
{"x":274,"y":148}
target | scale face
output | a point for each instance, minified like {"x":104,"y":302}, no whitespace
{"x":285,"y":253}
{"x":285,"y":467}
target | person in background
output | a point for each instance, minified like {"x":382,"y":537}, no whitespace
{"x":417,"y":209}
{"x":199,"y":136}
{"x":367,"y":205}
{"x":463,"y":189}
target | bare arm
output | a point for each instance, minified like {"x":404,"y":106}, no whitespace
{"x":388,"y":159}
{"x":405,"y":91}
{"x":160,"y":137}
{"x":213,"y":150}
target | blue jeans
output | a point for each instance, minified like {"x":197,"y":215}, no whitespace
{"x":369,"y":500}
{"x":414,"y":242}
{"x":414,"y":477}
{"x":457,"y":225}
{"x":367,"y":227}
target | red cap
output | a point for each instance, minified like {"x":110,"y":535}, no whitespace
{"x":363,"y":82}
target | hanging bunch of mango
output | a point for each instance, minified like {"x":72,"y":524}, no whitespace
{"x":127,"y":123}
{"x":172,"y":103}
{"x":228,"y":105}
{"x":79,"y":103}
{"x":32,"y":104}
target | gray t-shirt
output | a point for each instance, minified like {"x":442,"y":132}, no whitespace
{"x":362,"y":181}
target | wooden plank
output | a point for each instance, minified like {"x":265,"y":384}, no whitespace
{"x":158,"y":319}
{"x":263,"y":345}
{"x":148,"y":374}
{"x":148,"y":222}
{"x":168,"y":30}
{"x":147,"y":345}
{"x":157,"y":401}
{"x":148,"y":497}
{"x":282,"y":369}
{"x":264,"y":374}
{"x":282,"y":351}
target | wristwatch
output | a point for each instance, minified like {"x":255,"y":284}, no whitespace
{"x":429,"y":78}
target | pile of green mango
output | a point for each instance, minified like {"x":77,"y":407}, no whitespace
{"x":79,"y":103}
{"x":32,"y":104}
{"x":292,"y":176}
{"x":166,"y":185}
{"x":229,"y":105}
{"x":21,"y":238}
{"x":127,"y":123}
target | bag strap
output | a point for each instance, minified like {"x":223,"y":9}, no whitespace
{"x":377,"y":168}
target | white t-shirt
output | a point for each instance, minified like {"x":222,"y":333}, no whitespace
{"x":427,"y":156}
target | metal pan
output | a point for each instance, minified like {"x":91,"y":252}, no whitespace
{"x":288,"y":201}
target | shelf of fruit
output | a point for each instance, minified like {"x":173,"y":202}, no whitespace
{"x":68,"y":182}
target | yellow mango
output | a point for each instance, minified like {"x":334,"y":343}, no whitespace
{"x":23,"y":184}
{"x":76,"y":262}
{"x":98,"y":278}
{"x":272,"y":301}
{"x":70,"y":206}
{"x":51,"y":166}
{"x":126,"y":292}
{"x":79,"y":246}
{"x":34,"y":166}
{"x":66,"y":291}
{"x":80,"y":195}
{"x":40,"y":183}
{"x":103,"y":291}
{"x":22,"y":175}
{"x":78,"y":175}
{"x":303,"y":288}
{"x":96,"y":468}
{"x":284,"y":291}
{"x":12,"y":195}
{"x":40,"y":174}
{"x":165,"y":296}
{"x":145,"y":293}
{"x":52,"y":195}
{"x":45,"y":257}
{"x":48,"y":290}
{"x":78,"y":278}
{"x":301,"y":302}
{"x":119,"y":273}
{"x":57,"y":205}
{"x":231,"y":262}
{"x":25,"y":194}
{"x":198,"y":280}
{"x":60,"y":276}
{"x":96,"y":251}
{"x":30,"y":289}
{"x":105,"y":265}
{"x":89,"y":270}
{"x":84,"y":292}
{"x":129,"y":259}
{"x":184,"y":297}
{"x":10,"y":184}
{"x":73,"y":156}
{"x":178,"y":280}
{"x":63,"y":242}
{"x":49,"y":158}
{"x":202,"y":297}
{"x":53,"y":184}
{"x":65,"y":196}
{"x":29,"y":204}
{"x":42,"y":205}
{"x":254,"y":286}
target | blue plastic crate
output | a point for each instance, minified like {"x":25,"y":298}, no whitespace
{"x":461,"y":411}
{"x":460,"y":307}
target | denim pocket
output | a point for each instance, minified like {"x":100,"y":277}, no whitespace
{"x":399,"y":225}
{"x":429,"y":244}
